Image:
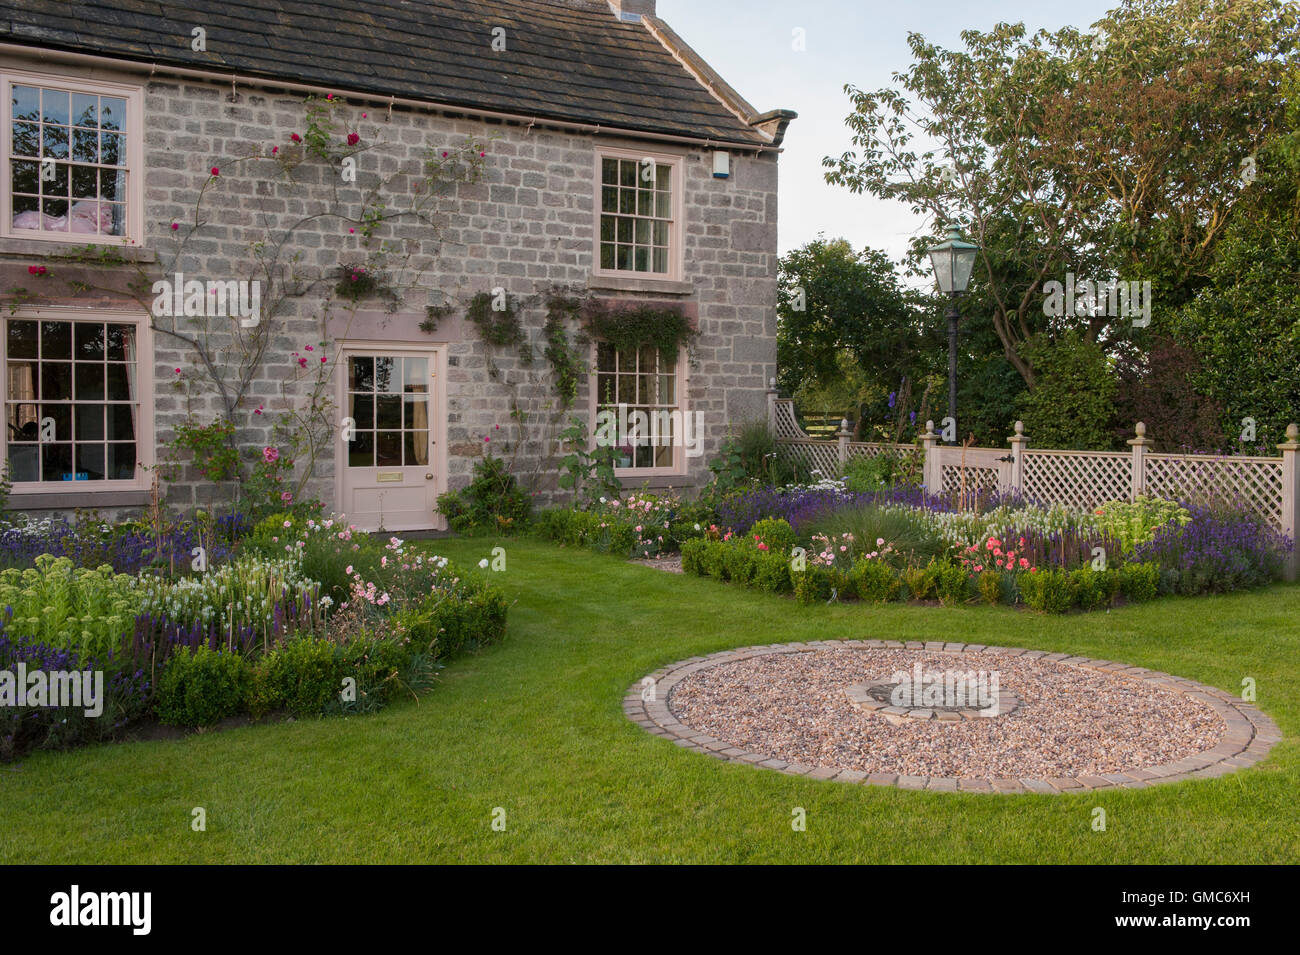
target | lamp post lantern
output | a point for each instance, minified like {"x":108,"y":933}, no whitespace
{"x":953,"y":260}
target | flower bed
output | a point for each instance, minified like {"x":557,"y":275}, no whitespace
{"x":252,"y":635}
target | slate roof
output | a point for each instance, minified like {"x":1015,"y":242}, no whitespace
{"x":570,"y":60}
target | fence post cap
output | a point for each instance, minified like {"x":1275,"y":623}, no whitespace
{"x":1141,"y":430}
{"x":771,"y":385}
{"x":1019,"y":436}
{"x":1292,"y":438}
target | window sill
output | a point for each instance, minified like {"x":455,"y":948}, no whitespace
{"x":45,"y":249}
{"x":68,"y":500}
{"x":632,"y":482}
{"x":639,"y":283}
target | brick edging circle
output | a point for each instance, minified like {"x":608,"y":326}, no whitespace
{"x":1249,"y":737}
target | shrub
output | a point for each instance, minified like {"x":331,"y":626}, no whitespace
{"x":301,"y":675}
{"x":990,"y":587}
{"x":693,"y":556}
{"x":202,"y":687}
{"x":951,"y":583}
{"x":1094,"y":589}
{"x":876,"y":581}
{"x":812,"y":584}
{"x":776,"y":533}
{"x":492,"y":503}
{"x":1049,"y":591}
{"x":742,"y":562}
{"x":772,"y":573}
{"x":920,"y":582}
{"x":382,"y":669}
{"x":1139,"y":581}
{"x":446,"y":623}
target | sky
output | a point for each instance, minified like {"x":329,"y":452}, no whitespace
{"x":863,"y":42}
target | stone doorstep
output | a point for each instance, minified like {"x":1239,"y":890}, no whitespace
{"x":1246,"y":725}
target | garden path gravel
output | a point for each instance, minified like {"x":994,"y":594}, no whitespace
{"x":1072,"y":721}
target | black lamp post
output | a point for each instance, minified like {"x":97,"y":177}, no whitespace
{"x":953,"y":260}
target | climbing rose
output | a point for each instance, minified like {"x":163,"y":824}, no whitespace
{"x":216,"y":171}
{"x":353,"y":139}
{"x":271,"y":454}
{"x":295,"y":138}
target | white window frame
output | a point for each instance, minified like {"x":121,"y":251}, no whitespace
{"x":134,"y":233}
{"x":144,"y":432}
{"x":679,"y":466}
{"x":676,"y":228}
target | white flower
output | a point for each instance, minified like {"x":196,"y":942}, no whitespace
{"x":483,"y":563}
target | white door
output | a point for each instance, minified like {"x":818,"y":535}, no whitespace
{"x":389,"y":445}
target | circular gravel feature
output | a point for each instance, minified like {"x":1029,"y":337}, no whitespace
{"x":1080,"y":723}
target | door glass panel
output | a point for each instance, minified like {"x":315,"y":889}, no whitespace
{"x":388,"y":449}
{"x":386,"y":373}
{"x":361,"y":450}
{"x":416,"y":375}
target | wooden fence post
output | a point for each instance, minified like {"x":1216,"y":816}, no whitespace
{"x":931,"y":474}
{"x":1290,"y":492}
{"x":843,"y":436}
{"x":1018,"y":442}
{"x":1139,"y":446}
{"x":771,"y":406}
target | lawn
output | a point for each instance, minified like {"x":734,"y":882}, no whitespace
{"x":535,"y":726}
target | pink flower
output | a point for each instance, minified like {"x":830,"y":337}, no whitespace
{"x":978,"y":568}
{"x":287,"y":497}
{"x":308,"y":348}
{"x":175,"y":226}
{"x":329,"y":95}
{"x":258,"y":409}
{"x":351,"y":231}
{"x":178,"y":371}
{"x":274,"y":150}
{"x":761,"y":545}
{"x":271,"y":455}
{"x":353,"y":139}
{"x":1024,"y":562}
{"x":302,"y":362}
{"x":323,"y":359}
{"x":215,"y":171}
{"x":295,"y":137}
{"x":444,"y":155}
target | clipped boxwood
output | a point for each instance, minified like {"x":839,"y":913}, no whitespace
{"x":302,"y":676}
{"x":202,"y":687}
{"x":876,"y":581}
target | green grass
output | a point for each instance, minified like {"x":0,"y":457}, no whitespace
{"x":535,"y":726}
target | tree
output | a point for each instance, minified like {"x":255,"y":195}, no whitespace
{"x":838,"y":310}
{"x":1115,"y":152}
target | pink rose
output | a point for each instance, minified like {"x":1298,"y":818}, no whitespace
{"x":271,"y":455}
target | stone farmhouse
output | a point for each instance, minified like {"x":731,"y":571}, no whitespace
{"x":382,"y":236}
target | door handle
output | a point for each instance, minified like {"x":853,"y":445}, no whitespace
{"x":428,"y":477}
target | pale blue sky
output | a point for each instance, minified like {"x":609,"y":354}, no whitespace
{"x":848,"y":41}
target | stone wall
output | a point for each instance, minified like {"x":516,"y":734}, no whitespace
{"x":526,"y":225}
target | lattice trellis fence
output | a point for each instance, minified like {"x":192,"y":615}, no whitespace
{"x":1255,"y":482}
{"x":1082,"y":479}
{"x":1077,"y":478}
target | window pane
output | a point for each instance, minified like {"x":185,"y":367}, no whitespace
{"x":85,"y":145}
{"x":642,"y":232}
{"x":57,"y":210}
{"x":121,"y":422}
{"x":27,"y":139}
{"x":417,"y":447}
{"x":24,"y":462}
{"x":54,"y":142}
{"x":85,"y":183}
{"x":627,"y":172}
{"x":56,"y":380}
{"x":416,"y":371}
{"x":642,"y":263}
{"x":607,"y":260}
{"x":89,"y":341}
{"x":85,"y":109}
{"x":89,"y":421}
{"x":121,"y":339}
{"x":26,"y":103}
{"x":26,"y":176}
{"x":22,"y":339}
{"x":608,"y":199}
{"x":661,"y":260}
{"x":89,"y":381}
{"x":416,"y":412}
{"x":386,"y":375}
{"x":121,"y":382}
{"x":112,"y":149}
{"x":663,"y":205}
{"x":608,"y":225}
{"x":112,"y":112}
{"x":625,"y":230}
{"x":645,"y":203}
{"x":362,"y":410}
{"x":121,"y":462}
{"x":388,"y":449}
{"x":361,"y":450}
{"x":627,"y":202}
{"x":388,"y":412}
{"x":54,"y":106}
{"x":56,"y":462}
{"x":90,"y":462}
{"x":663,"y":177}
{"x":608,"y":169}
{"x":361,"y":374}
